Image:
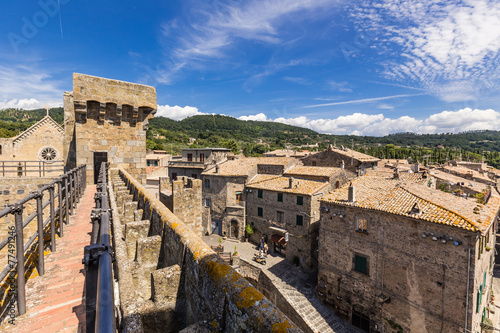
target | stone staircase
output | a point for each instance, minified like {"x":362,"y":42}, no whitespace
{"x":296,"y":287}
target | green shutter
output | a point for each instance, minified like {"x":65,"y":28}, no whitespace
{"x":260,"y":211}
{"x":300,"y":220}
{"x":280,"y":197}
{"x":300,"y":200}
{"x":360,"y":264}
{"x":259,"y":194}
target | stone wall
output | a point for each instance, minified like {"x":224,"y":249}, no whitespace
{"x":209,"y":292}
{"x":109,"y":116}
{"x":331,"y":158}
{"x":261,"y":280}
{"x":302,"y":242}
{"x":28,"y":145}
{"x":185,"y":202}
{"x":413,"y":282}
{"x":221,"y":193}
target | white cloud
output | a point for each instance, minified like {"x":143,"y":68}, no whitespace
{"x":378,"y":125}
{"x":216,"y":27}
{"x":450,"y":48}
{"x":177,"y":112}
{"x":26,"y":104}
{"x":28,"y":87}
{"x":256,"y":117}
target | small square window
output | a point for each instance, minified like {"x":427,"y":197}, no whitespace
{"x":360,"y":263}
{"x":300,"y":220}
{"x":280,"y":197}
{"x":362,"y":225}
{"x":300,"y":200}
{"x":207,"y":202}
{"x":260,"y":211}
{"x":259,"y":194}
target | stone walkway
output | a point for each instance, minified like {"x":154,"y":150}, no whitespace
{"x":55,"y":302}
{"x":294,"y":283}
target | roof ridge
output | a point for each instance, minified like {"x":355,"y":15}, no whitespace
{"x":402,"y":186}
{"x":37,"y":125}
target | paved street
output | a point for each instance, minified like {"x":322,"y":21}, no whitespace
{"x":294,"y":283}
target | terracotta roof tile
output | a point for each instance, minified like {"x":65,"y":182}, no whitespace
{"x":398,"y":196}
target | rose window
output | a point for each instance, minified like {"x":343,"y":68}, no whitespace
{"x":48,"y":154}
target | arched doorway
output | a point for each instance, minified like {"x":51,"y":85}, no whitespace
{"x":234,"y":229}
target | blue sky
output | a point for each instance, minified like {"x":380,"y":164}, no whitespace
{"x":355,"y":67}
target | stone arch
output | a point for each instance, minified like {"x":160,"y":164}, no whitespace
{"x":234,"y":227}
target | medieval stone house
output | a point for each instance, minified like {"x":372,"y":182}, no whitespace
{"x":342,"y":158}
{"x":284,"y":209}
{"x":395,"y":254}
{"x":195,"y":160}
{"x":224,"y":192}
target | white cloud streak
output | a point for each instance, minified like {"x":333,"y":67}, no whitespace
{"x":218,"y":26}
{"x":364,"y":100}
{"x":28,"y":88}
{"x":450,"y":48}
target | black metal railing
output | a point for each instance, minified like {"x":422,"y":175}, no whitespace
{"x":98,"y":258}
{"x":70,"y":188}
{"x":30,"y":168}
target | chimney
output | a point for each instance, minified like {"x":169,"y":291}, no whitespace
{"x":342,"y":164}
{"x":290,"y":182}
{"x":396,"y":173}
{"x":417,"y":167}
{"x":217,"y":168}
{"x":351,"y":196}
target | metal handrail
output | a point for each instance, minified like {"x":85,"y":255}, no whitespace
{"x":99,"y":286}
{"x":29,"y":168}
{"x":70,"y":185}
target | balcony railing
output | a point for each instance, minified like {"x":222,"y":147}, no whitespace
{"x":70,"y":187}
{"x":30,"y":168}
{"x":281,"y":225}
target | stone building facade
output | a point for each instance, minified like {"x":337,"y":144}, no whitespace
{"x":224,"y":192}
{"x":42,"y":142}
{"x":106,"y":120}
{"x":285,"y":211}
{"x":195,"y":160}
{"x":342,"y":158}
{"x":396,"y":255}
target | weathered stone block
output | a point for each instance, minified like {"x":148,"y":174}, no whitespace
{"x":165,"y":284}
{"x":148,"y":250}
{"x":138,"y":215}
{"x":128,"y":211}
{"x":133,"y":232}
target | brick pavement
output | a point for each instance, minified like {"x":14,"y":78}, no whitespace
{"x":55,"y":302}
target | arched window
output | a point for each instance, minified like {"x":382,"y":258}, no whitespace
{"x":337,"y":184}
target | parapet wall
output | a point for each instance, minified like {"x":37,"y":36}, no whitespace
{"x":210,"y":292}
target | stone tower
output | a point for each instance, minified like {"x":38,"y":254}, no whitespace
{"x":106,"y":120}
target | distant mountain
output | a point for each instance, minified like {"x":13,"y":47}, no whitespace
{"x":257,"y":137}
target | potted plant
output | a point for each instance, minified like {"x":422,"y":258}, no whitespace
{"x":235,"y":257}
{"x":221,"y":247}
{"x":249,"y":230}
{"x":488,"y":248}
